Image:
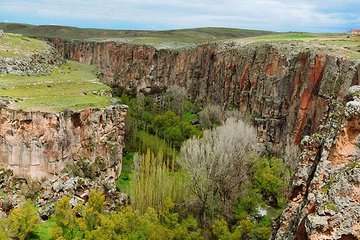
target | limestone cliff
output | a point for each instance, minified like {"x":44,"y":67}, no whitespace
{"x":295,"y":94}
{"x":41,"y":144}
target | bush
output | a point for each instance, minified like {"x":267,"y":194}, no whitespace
{"x":271,"y":178}
{"x":172,"y":128}
{"x":211,"y":116}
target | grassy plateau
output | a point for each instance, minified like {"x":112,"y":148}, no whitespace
{"x":72,"y":86}
{"x":17,"y":46}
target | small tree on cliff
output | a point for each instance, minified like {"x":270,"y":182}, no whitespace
{"x":217,"y":164}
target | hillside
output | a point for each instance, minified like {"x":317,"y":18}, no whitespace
{"x":196,"y":35}
{"x":184,"y":38}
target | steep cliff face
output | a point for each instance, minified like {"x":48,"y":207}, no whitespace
{"x":287,"y":89}
{"x":296,"y":94}
{"x":41,"y":144}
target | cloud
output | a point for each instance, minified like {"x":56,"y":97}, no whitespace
{"x":280,"y":15}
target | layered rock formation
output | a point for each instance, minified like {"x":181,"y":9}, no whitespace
{"x":40,"y":144}
{"x":294,"y":93}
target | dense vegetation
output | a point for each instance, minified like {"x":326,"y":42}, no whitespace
{"x":190,"y":173}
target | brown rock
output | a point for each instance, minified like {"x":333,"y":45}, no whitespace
{"x":40,"y":144}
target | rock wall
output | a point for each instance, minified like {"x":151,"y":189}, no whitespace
{"x":285,"y":88}
{"x":295,"y":94}
{"x":40,"y":144}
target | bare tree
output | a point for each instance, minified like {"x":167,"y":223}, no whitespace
{"x":217,"y":164}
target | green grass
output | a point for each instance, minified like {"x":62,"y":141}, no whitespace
{"x":44,"y":230}
{"x":331,"y":43}
{"x":17,"y":47}
{"x":123,"y":181}
{"x":288,"y":36}
{"x":70,"y":87}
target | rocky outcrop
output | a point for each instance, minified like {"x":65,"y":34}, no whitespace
{"x":36,"y":64}
{"x":294,"y":93}
{"x":32,"y":63}
{"x":41,"y":145}
{"x":325,"y":198}
{"x":46,"y":193}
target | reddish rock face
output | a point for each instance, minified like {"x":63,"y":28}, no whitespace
{"x":41,"y":144}
{"x":286,"y":89}
{"x":294,"y":94}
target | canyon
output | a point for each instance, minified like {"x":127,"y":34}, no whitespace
{"x":296,"y":95}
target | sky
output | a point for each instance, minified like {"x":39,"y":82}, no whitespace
{"x":275,"y":15}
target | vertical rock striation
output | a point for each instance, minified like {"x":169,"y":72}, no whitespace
{"x":286,"y":89}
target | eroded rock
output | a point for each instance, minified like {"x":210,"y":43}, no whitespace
{"x":40,"y":145}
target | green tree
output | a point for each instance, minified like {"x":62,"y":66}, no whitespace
{"x":271,"y":178}
{"x":65,"y":220}
{"x":22,"y":221}
{"x":153,"y":181}
{"x":4,"y":231}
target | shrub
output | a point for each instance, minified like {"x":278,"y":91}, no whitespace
{"x":210,"y":116}
{"x":271,"y":178}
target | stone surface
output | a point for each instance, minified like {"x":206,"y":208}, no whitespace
{"x":36,"y":64}
{"x":40,"y":145}
{"x":46,"y":193}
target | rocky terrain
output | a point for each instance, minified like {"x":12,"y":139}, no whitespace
{"x":297,"y":96}
{"x":45,"y":193}
{"x":40,"y":145}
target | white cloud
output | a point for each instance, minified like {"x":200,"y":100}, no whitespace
{"x":278,"y":15}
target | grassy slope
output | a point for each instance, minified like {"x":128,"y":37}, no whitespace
{"x":68,"y":87}
{"x":338,"y":44}
{"x":17,"y":47}
{"x":196,"y":35}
